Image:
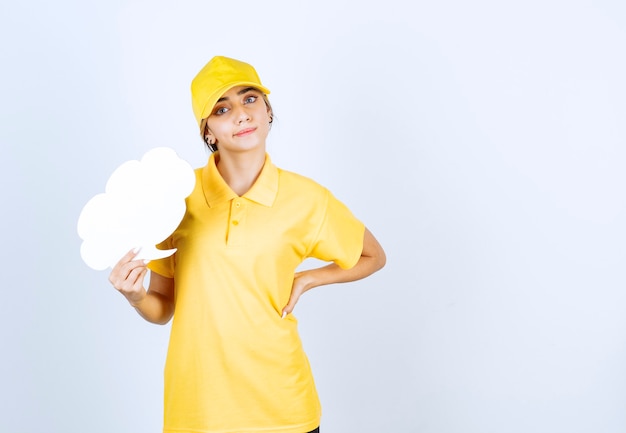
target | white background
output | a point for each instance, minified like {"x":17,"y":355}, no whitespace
{"x":483,"y":143}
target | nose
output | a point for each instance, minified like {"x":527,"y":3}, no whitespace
{"x":242,"y":115}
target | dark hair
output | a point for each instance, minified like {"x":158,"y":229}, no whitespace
{"x":213,"y":146}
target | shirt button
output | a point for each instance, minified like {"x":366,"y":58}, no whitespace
{"x":237,"y":204}
{"x":235,"y":223}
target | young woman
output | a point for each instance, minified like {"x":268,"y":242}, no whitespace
{"x":235,"y":363}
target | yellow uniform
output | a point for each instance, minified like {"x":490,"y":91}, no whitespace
{"x":233,"y":364}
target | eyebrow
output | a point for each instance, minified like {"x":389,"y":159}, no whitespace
{"x":241,"y":92}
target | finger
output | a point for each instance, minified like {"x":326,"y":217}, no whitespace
{"x":130,"y":255}
{"x":136,"y":275}
{"x":127,"y":267}
{"x":125,"y":259}
{"x":133,"y":290}
{"x":127,"y":273}
{"x":293,"y":300}
{"x":134,"y":283}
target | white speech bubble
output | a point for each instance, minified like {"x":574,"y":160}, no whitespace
{"x":143,"y":203}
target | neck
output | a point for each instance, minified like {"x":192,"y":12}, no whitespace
{"x":240,"y":170}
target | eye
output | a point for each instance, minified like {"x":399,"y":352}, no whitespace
{"x":250,"y":99}
{"x":221,"y":110}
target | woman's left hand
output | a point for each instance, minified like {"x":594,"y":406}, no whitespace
{"x":301,"y":283}
{"x":371,"y":260}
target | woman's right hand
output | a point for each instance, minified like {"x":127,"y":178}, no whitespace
{"x":127,"y":277}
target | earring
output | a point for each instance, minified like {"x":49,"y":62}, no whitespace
{"x":271,"y":118}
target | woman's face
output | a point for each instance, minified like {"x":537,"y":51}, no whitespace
{"x":239,"y":121}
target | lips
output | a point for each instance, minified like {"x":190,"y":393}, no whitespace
{"x":245,"y":132}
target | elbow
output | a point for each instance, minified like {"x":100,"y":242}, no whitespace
{"x":377,"y":259}
{"x":374,"y":251}
{"x":165,"y":318}
{"x":163,"y":322}
{"x":381,"y":260}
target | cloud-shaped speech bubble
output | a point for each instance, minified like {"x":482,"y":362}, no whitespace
{"x":143,"y":203}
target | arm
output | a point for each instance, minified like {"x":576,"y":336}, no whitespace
{"x":372,"y":259}
{"x":156,"y":304}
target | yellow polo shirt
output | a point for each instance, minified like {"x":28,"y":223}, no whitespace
{"x":233,"y":364}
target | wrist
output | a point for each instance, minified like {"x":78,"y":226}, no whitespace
{"x":138,"y":300}
{"x":307,"y":279}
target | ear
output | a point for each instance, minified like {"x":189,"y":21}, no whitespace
{"x":209,"y":135}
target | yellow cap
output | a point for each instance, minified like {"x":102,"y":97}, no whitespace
{"x":216,"y":78}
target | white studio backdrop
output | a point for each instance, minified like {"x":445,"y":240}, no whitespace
{"x":483,"y":143}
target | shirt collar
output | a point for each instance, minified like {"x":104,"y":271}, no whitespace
{"x":217,"y":191}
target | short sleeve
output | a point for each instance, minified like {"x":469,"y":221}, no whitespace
{"x":340,"y":235}
{"x":164,"y":266}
